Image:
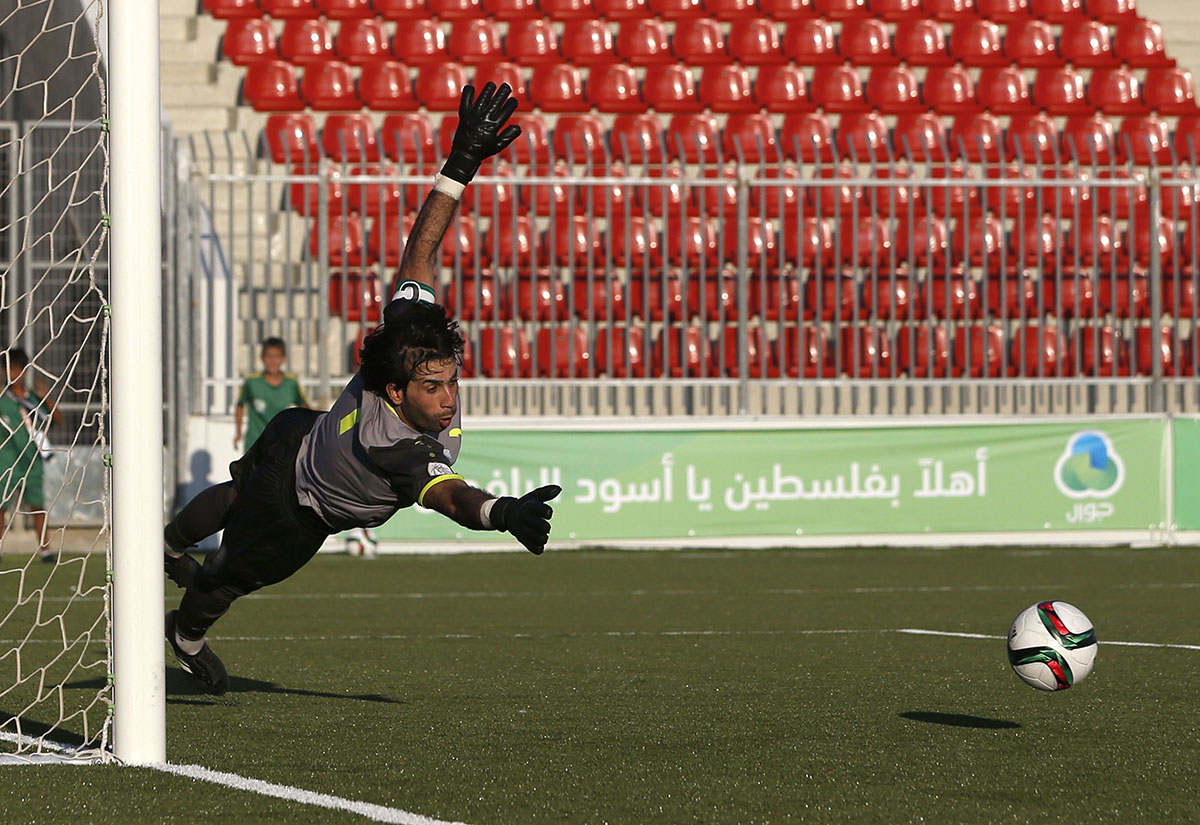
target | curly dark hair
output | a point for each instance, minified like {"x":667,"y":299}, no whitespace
{"x":412,"y":335}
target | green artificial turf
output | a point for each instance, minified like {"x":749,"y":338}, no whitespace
{"x":623,"y":687}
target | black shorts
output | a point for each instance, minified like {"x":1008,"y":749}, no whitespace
{"x":269,"y":534}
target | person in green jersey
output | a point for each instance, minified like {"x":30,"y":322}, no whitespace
{"x":266,"y":394}
{"x":25,"y":415}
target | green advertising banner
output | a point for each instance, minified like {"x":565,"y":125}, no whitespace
{"x":1186,"y":486}
{"x":681,"y":484}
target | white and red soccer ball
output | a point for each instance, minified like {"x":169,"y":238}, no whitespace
{"x":1052,"y":645}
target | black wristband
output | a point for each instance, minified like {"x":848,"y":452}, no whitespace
{"x":461,"y":168}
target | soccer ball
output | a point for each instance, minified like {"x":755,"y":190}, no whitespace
{"x":1051,"y":645}
{"x":361,"y":542}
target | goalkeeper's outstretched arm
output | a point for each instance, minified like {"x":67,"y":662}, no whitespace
{"x":527,"y":518}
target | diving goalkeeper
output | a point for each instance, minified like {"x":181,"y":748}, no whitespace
{"x":390,"y":440}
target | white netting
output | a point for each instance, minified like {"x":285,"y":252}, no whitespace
{"x":54,"y":627}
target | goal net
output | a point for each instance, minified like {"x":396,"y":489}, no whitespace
{"x":55,"y":660}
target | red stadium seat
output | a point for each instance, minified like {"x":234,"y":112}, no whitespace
{"x":979,"y":351}
{"x":977,"y":43}
{"x":1010,"y":297}
{"x":921,"y":43}
{"x":954,"y":298}
{"x":362,"y":42}
{"x":1057,"y":11}
{"x":474,"y":41}
{"x":1145,"y":352}
{"x":1003,"y":11}
{"x":566,"y":9}
{"x":983,"y":247}
{"x":1144,"y":140}
{"x":921,"y":137}
{"x":1115,"y":92}
{"x":292,"y":139}
{"x":232,"y":9}
{"x":782,"y":199}
{"x":806,"y":353}
{"x":951,"y":200}
{"x":607,"y":301}
{"x":1031,"y":43}
{"x":671,"y":89}
{"x":554,"y":199}
{"x":866,"y":244}
{"x":574,"y":238}
{"x":1088,"y":139}
{"x":760,"y":358}
{"x":866,"y":42}
{"x":614,"y":88}
{"x":248,"y":41}
{"x":502,"y":71}
{"x":710,"y":298}
{"x":1086,"y":43}
{"x":563,"y":352}
{"x":1140,"y":43}
{"x":373,"y":198}
{"x":621,"y":352}
{"x":862,"y":136}
{"x":477,"y":297}
{"x":271,"y":87}
{"x":439,"y":88}
{"x":637,"y":138}
{"x":350,"y":138}
{"x":759,"y":241}
{"x":782,"y":89}
{"x":401,"y":10}
{"x":504,"y":352}
{"x":1112,"y":11}
{"x":949,"y":90}
{"x":1039,"y":244}
{"x":699,"y":42}
{"x":977,"y":138}
{"x":684,"y":352}
{"x":837,"y":199}
{"x":644,"y":43}
{"x":1070,"y":295}
{"x":808,"y":137}
{"x":830,"y":296}
{"x":578,"y":138}
{"x":509,"y":243}
{"x":727,"y":89}
{"x":557,"y":88}
{"x":539,"y":296}
{"x":587,"y":43}
{"x":1124,"y":297}
{"x":354,"y":297}
{"x":886,"y":297}
{"x":923,"y":352}
{"x":922,"y":243}
{"x":656,"y":297}
{"x":1169,"y":91}
{"x":635,"y":243}
{"x":533,"y":144}
{"x":345,"y":9}
{"x":408,"y":138}
{"x":531,"y":43}
{"x":1125,"y":200}
{"x":865,"y":352}
{"x":693,"y":243}
{"x":1031,"y":138}
{"x":949,"y":10}
{"x":1099,"y":351}
{"x":304,"y":198}
{"x":889,"y":199}
{"x":692,"y":138}
{"x":1164,"y":237}
{"x":1179,"y":297}
{"x":306,"y":41}
{"x":750,"y":137}
{"x":1040,"y":352}
{"x":731,"y":10}
{"x":1061,"y":92}
{"x":677,"y":9}
{"x":842,"y":9}
{"x":812,"y":245}
{"x":420,"y":43}
{"x":897,"y":10}
{"x":506,"y":10}
{"x":810,"y":42}
{"x":330,"y":87}
{"x":623,"y":9}
{"x":787,"y":9}
{"x":1016,"y":195}
{"x":456,"y":9}
{"x":1095,"y":245}
{"x":837,"y":89}
{"x":775,"y":298}
{"x":385,"y":87}
{"x":285,"y":9}
{"x":1186,"y":140}
{"x":755,"y":41}
{"x":894,"y":90}
{"x":388,"y":236}
{"x":1004,"y":91}
{"x":345,"y":241}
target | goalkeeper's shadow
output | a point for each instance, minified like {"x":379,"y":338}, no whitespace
{"x":180,"y":685}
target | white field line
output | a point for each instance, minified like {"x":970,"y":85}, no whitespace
{"x":172,"y":595}
{"x":1102,"y":642}
{"x":376,"y":813}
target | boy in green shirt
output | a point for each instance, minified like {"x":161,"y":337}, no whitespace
{"x":23,"y":423}
{"x":266,"y":394}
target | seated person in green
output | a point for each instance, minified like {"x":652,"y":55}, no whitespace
{"x":24,"y":417}
{"x":266,"y":394}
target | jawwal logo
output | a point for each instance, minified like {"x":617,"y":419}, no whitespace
{"x":1089,"y":467}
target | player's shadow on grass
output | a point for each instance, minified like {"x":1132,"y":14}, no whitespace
{"x":181,"y":685}
{"x":958,"y":720}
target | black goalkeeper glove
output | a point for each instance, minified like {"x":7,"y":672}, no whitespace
{"x":479,"y":134}
{"x":527,"y":517}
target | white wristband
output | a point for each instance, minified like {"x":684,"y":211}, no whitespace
{"x":448,"y":186}
{"x":485,"y":513}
